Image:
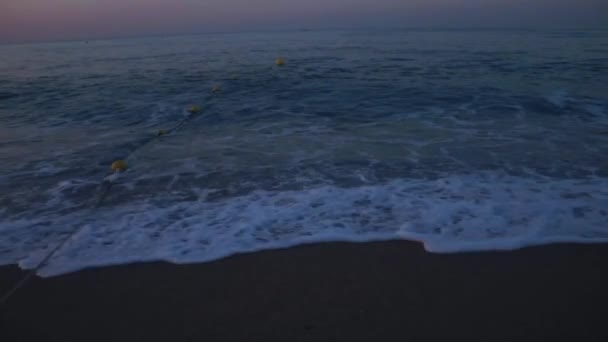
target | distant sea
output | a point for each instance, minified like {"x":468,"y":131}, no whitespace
{"x":463,"y":140}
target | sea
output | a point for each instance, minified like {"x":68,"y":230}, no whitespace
{"x":462,"y":140}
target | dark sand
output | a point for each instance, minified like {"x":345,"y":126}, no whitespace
{"x":328,"y":292}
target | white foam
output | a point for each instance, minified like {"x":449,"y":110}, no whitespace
{"x":452,"y":214}
{"x":558,"y":98}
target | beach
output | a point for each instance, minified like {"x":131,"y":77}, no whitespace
{"x":305,"y":183}
{"x":324,"y":292}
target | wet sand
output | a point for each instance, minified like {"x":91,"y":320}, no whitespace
{"x":391,"y":291}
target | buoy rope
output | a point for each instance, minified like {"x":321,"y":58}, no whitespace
{"x":106,"y":189}
{"x":106,"y":185}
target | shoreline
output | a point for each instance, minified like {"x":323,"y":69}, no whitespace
{"x":327,"y":291}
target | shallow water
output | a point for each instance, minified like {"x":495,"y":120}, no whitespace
{"x":464,"y":140}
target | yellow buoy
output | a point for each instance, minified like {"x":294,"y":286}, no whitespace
{"x":280,"y":61}
{"x":216,"y":88}
{"x":119,"y":165}
{"x":161,"y":132}
{"x":194,"y":109}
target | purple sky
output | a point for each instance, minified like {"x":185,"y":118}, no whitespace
{"x":42,"y":20}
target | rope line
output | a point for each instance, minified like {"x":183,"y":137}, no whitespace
{"x":106,"y":185}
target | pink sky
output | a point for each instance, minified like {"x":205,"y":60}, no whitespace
{"x":42,"y":20}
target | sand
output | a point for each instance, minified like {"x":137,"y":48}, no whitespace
{"x":390,"y":291}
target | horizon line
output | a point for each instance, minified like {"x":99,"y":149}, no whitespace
{"x":303,"y":29}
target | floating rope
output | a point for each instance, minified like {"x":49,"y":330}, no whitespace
{"x":106,"y":184}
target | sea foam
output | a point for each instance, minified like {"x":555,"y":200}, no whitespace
{"x":458,"y":213}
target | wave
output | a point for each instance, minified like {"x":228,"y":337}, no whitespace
{"x":484,"y":211}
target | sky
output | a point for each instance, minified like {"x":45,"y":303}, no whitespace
{"x":49,"y":20}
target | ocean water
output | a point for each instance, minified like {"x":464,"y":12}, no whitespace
{"x":462,"y":140}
